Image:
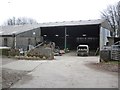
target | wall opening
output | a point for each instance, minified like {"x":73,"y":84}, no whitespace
{"x":5,"y":42}
{"x":80,"y":34}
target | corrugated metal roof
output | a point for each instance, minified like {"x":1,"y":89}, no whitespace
{"x":9,"y":30}
{"x":72,"y":23}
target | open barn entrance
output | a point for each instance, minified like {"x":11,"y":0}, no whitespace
{"x":72,"y":36}
{"x":54,"y":34}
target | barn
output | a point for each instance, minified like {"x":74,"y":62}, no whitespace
{"x":70,"y":34}
{"x":66,"y":34}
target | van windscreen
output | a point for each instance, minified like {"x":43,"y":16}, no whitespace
{"x":82,"y":47}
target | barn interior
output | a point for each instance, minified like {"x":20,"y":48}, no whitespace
{"x":72,"y":36}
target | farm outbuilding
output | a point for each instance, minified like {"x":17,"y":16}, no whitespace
{"x":20,"y":36}
{"x":66,"y":34}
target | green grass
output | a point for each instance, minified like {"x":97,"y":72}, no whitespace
{"x":113,"y":62}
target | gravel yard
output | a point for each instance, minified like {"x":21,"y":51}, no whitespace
{"x":6,"y":60}
{"x":65,"y":70}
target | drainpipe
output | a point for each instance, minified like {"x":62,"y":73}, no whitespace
{"x":14,"y":41}
{"x":34,"y":36}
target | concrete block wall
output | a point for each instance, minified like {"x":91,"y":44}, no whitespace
{"x":23,"y":40}
{"x":9,"y":41}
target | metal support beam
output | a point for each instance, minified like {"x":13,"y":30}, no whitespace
{"x":65,"y":45}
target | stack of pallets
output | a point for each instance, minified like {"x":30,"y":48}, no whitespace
{"x":115,"y":52}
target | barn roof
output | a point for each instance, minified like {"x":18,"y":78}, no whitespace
{"x":17,"y":29}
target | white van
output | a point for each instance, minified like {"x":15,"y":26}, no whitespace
{"x":83,"y":50}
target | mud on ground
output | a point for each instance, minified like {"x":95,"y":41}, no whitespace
{"x":111,"y":67}
{"x":9,"y":77}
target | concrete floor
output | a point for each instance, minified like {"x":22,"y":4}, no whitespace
{"x":67,"y":71}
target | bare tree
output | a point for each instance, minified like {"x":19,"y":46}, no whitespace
{"x":112,"y":15}
{"x":20,"y":21}
{"x":118,"y":19}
